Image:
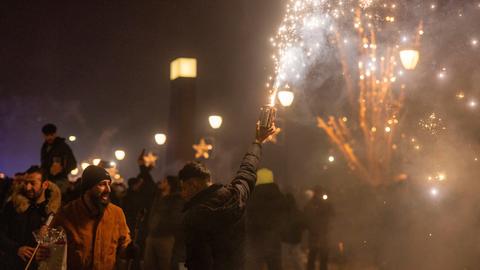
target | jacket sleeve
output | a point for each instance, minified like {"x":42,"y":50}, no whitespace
{"x":6,"y":243}
{"x":69,"y":159}
{"x":246,"y":177}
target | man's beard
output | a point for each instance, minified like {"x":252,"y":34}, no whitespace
{"x":32,"y":195}
{"x":100,"y":203}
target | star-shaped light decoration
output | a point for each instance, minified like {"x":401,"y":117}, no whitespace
{"x":273,"y":137}
{"x":202,"y":149}
{"x":150,"y":159}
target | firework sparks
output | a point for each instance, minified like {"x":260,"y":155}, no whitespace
{"x":306,"y":28}
{"x":432,"y":124}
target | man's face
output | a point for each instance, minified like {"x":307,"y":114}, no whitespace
{"x":100,"y":193}
{"x":33,"y":187}
{"x":50,"y":138}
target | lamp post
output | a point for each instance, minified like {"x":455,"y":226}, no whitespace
{"x":120,"y":154}
{"x":182,"y":119}
{"x":215,"y":121}
{"x":160,"y":138}
{"x":286,"y":97}
{"x":409,"y":58}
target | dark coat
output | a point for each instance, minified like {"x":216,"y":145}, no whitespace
{"x":267,"y":212}
{"x":295,"y":222}
{"x":166,"y":216}
{"x":58,"y":149}
{"x":136,"y":201}
{"x":318,"y":215}
{"x":214,"y":224}
{"x":19,"y":219}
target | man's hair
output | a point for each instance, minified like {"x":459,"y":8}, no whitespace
{"x":49,"y":129}
{"x":194,"y":169}
{"x":37,"y":169}
{"x":174,"y":183}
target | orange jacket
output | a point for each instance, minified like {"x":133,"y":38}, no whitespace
{"x":110,"y":233}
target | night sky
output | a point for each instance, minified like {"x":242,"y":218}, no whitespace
{"x":101,"y":71}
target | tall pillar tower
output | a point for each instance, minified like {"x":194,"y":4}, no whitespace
{"x":182,"y":118}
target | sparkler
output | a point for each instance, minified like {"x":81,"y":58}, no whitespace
{"x":308,"y":30}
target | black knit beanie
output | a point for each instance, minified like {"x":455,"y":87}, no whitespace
{"x":93,"y":175}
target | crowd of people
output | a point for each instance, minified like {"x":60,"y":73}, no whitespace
{"x":180,"y":222}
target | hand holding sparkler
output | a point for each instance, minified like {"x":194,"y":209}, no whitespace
{"x":266,"y":124}
{"x":44,"y":252}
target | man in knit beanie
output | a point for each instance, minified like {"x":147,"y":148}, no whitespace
{"x":96,"y":229}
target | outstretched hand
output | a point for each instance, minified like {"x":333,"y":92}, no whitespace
{"x":263,"y":134}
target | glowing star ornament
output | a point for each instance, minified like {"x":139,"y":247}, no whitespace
{"x":150,"y":159}
{"x":202,"y":149}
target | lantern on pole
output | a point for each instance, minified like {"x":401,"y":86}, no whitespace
{"x":160,"y":138}
{"x":286,"y":97}
{"x":119,"y":154}
{"x":215,"y":121}
{"x":409,"y":58}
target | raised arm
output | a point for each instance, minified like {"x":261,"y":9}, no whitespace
{"x":246,"y":176}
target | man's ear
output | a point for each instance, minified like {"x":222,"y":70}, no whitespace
{"x":45,"y":184}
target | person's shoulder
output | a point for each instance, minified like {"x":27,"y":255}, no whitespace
{"x":115,"y":210}
{"x":69,"y":207}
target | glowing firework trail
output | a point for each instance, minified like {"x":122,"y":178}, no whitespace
{"x":302,"y":36}
{"x":309,"y":29}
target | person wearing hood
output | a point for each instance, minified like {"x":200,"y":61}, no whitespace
{"x":266,"y":221}
{"x":29,"y":207}
{"x":57,"y":158}
{"x":213,"y":213}
{"x":96,"y":229}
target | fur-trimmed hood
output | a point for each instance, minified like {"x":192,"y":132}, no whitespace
{"x":53,"y":196}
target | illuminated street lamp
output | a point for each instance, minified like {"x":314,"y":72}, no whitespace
{"x":286,"y":97}
{"x":183,"y":68}
{"x":96,"y":161}
{"x":84,"y":165}
{"x":72,"y":138}
{"x":409,"y":58}
{"x":160,"y":138}
{"x":119,"y":154}
{"x":74,"y":172}
{"x":215,"y":121}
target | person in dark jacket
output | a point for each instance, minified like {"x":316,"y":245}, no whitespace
{"x":318,"y":214}
{"x":138,"y":200}
{"x":266,"y":220}
{"x":164,"y":226}
{"x":56,"y":157}
{"x":213,"y":214}
{"x":26,"y":212}
{"x":292,"y":236}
